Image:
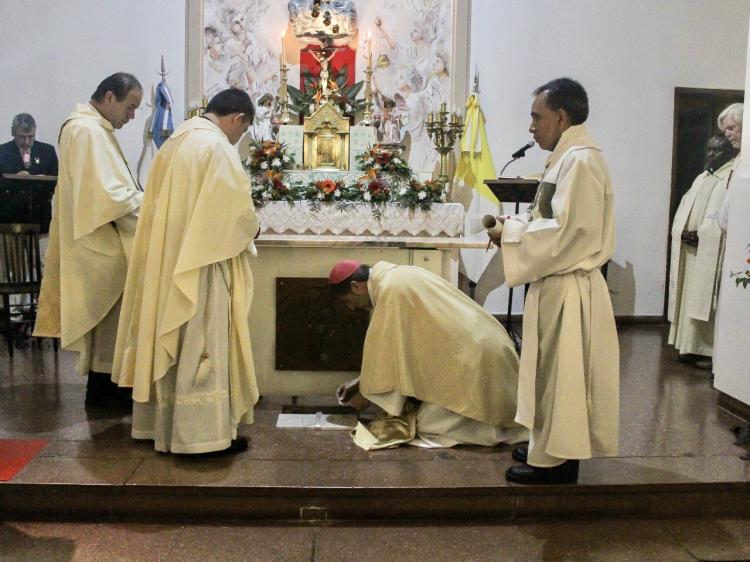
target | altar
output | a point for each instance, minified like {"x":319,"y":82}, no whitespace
{"x":284,"y":257}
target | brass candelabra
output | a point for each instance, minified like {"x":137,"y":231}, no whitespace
{"x":197,"y":107}
{"x":444,"y":128}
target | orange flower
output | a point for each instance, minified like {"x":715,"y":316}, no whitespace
{"x":327,"y":186}
{"x":270,"y":147}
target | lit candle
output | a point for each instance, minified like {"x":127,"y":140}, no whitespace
{"x":369,"y":49}
{"x":283,"y":57}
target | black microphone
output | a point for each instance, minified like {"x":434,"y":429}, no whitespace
{"x":521,"y":152}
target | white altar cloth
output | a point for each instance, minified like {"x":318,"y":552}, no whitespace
{"x":279,"y":217}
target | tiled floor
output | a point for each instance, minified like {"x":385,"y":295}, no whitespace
{"x":581,"y":540}
{"x":670,"y":432}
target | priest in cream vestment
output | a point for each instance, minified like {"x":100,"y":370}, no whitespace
{"x":697,"y":247}
{"x":183,"y":342}
{"x":441,"y":368}
{"x":568,"y":393}
{"x":94,"y":215}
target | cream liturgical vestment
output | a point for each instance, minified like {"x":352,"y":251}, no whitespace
{"x":94,"y":214}
{"x":428,"y":340}
{"x":184,"y":338}
{"x":568,"y":392}
{"x":694,"y":271}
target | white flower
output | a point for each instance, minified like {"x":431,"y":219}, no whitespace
{"x":266,"y":195}
{"x":276,"y":162}
{"x":396,"y":161}
{"x":402,"y":191}
{"x":367,"y":196}
{"x":285,"y":158}
{"x":421,"y":195}
{"x":264,"y":165}
{"x":320,"y":195}
{"x":248,"y":160}
{"x":368,"y":161}
{"x":336,"y":193}
{"x":348,"y":108}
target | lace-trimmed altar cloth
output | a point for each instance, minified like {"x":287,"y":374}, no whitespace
{"x":443,"y":219}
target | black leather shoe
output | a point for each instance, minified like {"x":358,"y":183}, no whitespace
{"x":238,"y":445}
{"x":566,"y":473}
{"x":520,"y":454}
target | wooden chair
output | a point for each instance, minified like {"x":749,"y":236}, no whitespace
{"x":20,"y":274}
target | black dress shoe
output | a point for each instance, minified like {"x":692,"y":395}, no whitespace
{"x":566,"y":473}
{"x":238,"y":445}
{"x":102,"y":393}
{"x":520,"y":454}
{"x":704,"y":364}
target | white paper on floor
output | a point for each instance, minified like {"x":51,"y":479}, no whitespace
{"x":319,"y":420}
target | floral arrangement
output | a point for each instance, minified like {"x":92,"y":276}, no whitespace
{"x":387,"y":179}
{"x":269,"y":155}
{"x":742,"y":277}
{"x":326,"y":191}
{"x":373,"y":189}
{"x":270,"y":186}
{"x":384,"y":161}
{"x":266,"y":163}
{"x":420,"y":195}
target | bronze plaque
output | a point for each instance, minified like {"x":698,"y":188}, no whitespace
{"x":314,"y":332}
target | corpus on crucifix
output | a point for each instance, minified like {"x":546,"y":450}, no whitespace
{"x":324,"y":59}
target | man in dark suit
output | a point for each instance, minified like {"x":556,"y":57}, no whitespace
{"x":23,"y":153}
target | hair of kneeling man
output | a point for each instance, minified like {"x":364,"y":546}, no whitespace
{"x":362,"y":273}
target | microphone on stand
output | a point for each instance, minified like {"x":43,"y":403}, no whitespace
{"x":520,"y":153}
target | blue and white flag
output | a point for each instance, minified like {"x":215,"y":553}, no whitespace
{"x":162,"y":125}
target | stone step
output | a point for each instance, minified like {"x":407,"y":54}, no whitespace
{"x":330,"y":503}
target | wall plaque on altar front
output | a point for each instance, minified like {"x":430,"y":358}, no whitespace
{"x":314,"y":332}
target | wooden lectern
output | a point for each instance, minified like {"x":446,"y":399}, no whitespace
{"x":513,"y":190}
{"x":27,"y":199}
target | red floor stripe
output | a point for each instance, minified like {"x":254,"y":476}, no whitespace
{"x":16,"y":454}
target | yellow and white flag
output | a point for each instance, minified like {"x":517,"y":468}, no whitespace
{"x":474,"y":166}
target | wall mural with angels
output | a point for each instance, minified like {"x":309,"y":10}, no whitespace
{"x":408,"y":43}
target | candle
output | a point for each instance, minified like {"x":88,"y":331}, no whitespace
{"x":283,"y":57}
{"x":369,"y":49}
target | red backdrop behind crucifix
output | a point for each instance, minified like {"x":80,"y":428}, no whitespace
{"x":308,"y":64}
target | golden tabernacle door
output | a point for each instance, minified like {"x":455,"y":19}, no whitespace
{"x":326,"y":139}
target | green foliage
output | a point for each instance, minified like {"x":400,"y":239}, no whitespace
{"x":343,"y":97}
